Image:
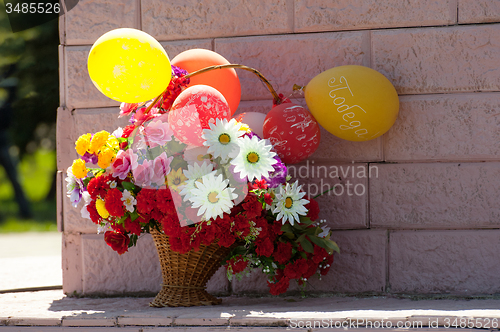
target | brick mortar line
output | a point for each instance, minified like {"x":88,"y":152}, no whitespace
{"x":318,"y":32}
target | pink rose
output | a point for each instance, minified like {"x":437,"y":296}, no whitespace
{"x":161,"y":167}
{"x":123,"y":163}
{"x":157,"y":133}
{"x":143,"y":173}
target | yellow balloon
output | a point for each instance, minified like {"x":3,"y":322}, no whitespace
{"x":355,"y":103}
{"x":128,"y":65}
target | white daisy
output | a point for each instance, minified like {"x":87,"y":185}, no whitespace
{"x":212,"y":196}
{"x":194,"y":173}
{"x":255,"y":159}
{"x":222,"y":137}
{"x":128,"y":200}
{"x":289,"y":203}
{"x":196,"y":155}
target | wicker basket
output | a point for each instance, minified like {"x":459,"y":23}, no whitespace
{"x":185,"y":276}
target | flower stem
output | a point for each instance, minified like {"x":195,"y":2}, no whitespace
{"x":324,"y":192}
{"x":255,"y":71}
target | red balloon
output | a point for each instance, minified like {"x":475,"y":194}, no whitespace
{"x":193,"y":110}
{"x":224,"y":80}
{"x":293,"y":131}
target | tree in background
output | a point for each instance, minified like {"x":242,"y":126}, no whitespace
{"x":35,"y":55}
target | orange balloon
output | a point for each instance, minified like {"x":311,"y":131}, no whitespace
{"x":224,"y":80}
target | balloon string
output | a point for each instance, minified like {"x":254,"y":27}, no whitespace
{"x":154,"y":102}
{"x":255,"y":71}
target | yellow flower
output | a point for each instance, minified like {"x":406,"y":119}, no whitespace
{"x":245,"y":127}
{"x":101,"y":209}
{"x":79,"y":169}
{"x":105,"y":157}
{"x":98,"y":140}
{"x":175,"y":179}
{"x":113,"y":143}
{"x":82,"y":144}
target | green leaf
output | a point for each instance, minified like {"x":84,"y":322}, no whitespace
{"x":305,"y":220}
{"x":129,"y":186}
{"x":287,"y":228}
{"x":332,"y":245}
{"x":134,"y":215}
{"x":306,"y":245}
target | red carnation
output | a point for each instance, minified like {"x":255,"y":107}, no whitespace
{"x":268,"y":199}
{"x":312,"y":209}
{"x":146,"y":201}
{"x":264,"y":247}
{"x":132,"y":226}
{"x":237,"y":264}
{"x":241,"y":226}
{"x":253,"y":208}
{"x":113,"y":203}
{"x":176,"y":244}
{"x":276,"y":227}
{"x":296,"y":269}
{"x":329,"y":261}
{"x":164,"y":200}
{"x":319,"y":254}
{"x":226,"y":239}
{"x":283,"y":252}
{"x":170,"y":226}
{"x":207,"y":234}
{"x":279,"y":287}
{"x":117,"y":241}
{"x":94,"y":215}
{"x":263,"y":225}
{"x":156,"y":214}
{"x":98,"y":186}
{"x":312,"y":268}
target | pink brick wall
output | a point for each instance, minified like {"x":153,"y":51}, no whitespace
{"x":427,"y":220}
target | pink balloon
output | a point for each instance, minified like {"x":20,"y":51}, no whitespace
{"x":193,"y":110}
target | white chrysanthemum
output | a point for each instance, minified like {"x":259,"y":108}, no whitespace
{"x":212,"y":196}
{"x":128,"y":200}
{"x":194,"y":173}
{"x":255,"y":159}
{"x":222,"y":138}
{"x":289,"y":203}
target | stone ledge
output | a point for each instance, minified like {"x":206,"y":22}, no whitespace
{"x":52,"y":310}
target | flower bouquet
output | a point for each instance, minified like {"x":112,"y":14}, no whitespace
{"x":203,"y":184}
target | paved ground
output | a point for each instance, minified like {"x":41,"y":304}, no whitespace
{"x":34,"y":260}
{"x":30,"y":260}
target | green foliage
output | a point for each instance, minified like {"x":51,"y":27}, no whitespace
{"x":35,"y":55}
{"x":35,"y":173}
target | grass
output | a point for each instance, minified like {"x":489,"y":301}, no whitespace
{"x":35,"y":174}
